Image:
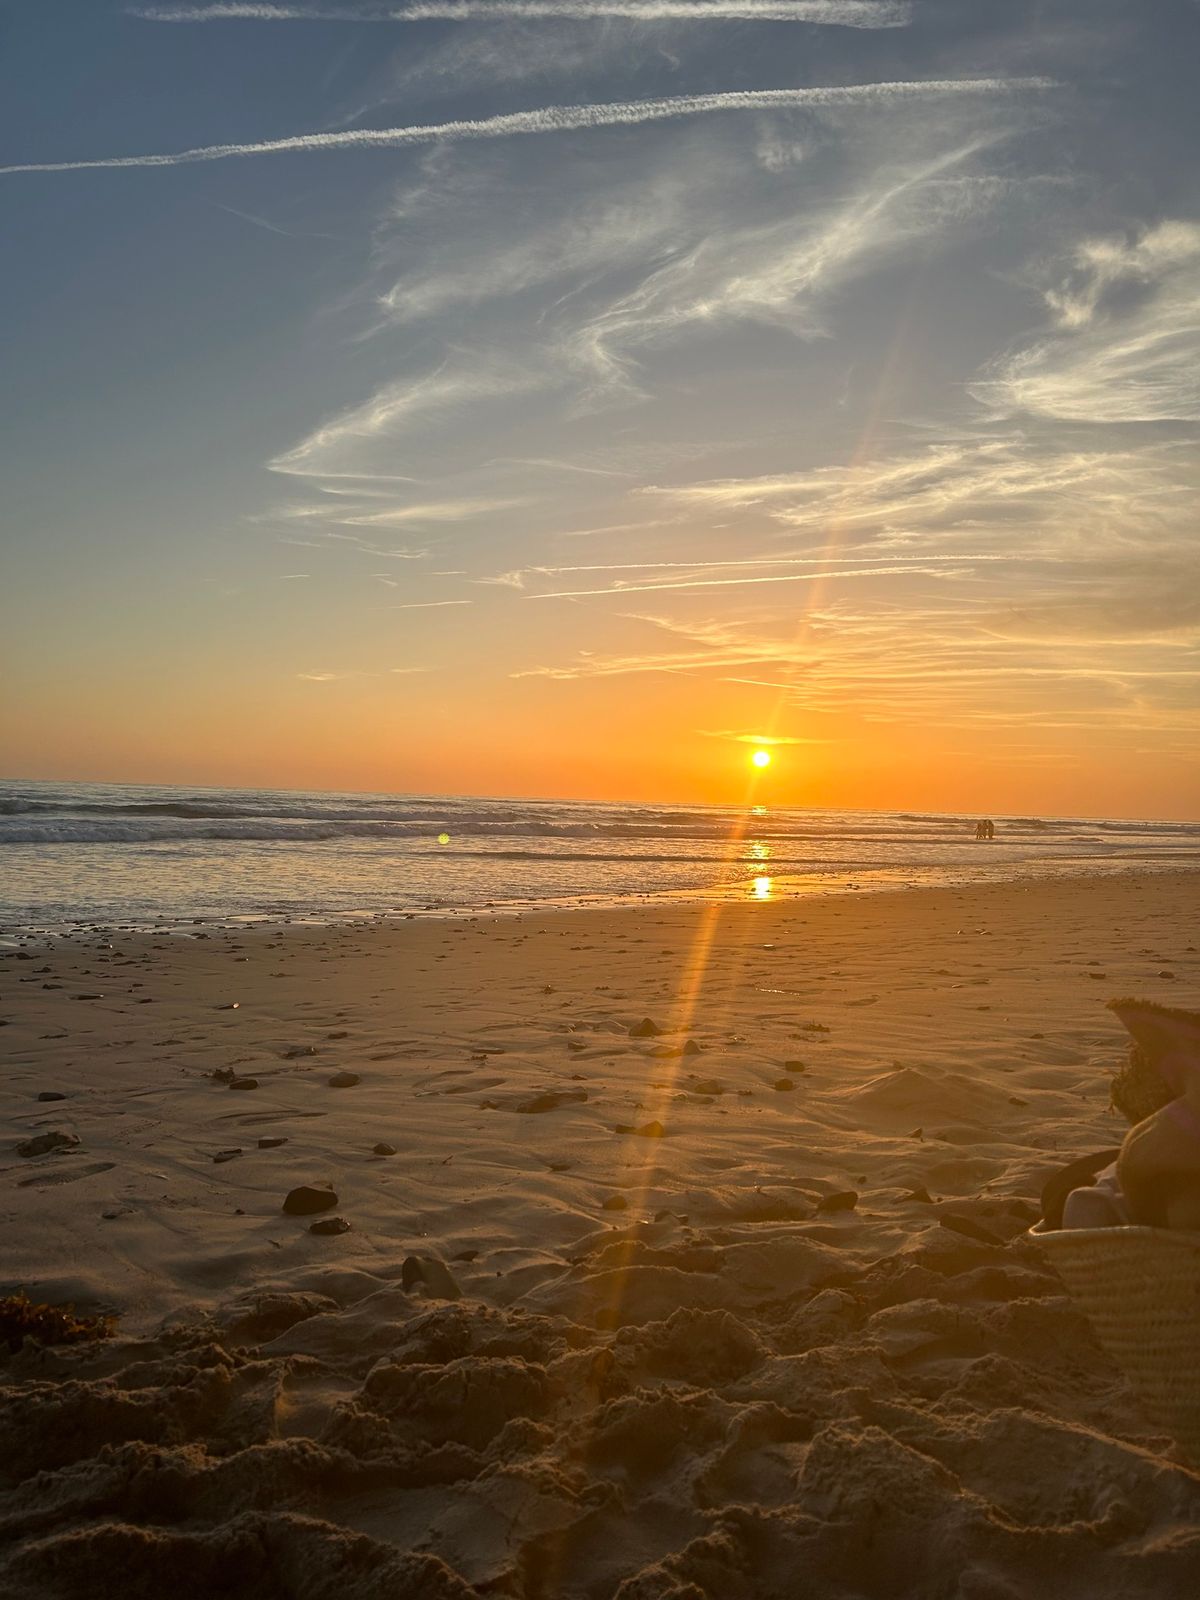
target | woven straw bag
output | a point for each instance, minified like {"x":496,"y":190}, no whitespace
{"x":1140,"y":1290}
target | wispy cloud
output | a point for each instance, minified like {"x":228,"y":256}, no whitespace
{"x":971,"y":484}
{"x":464,"y":510}
{"x":784,"y":271}
{"x":837,"y":13}
{"x":558,"y":119}
{"x":916,"y":568}
{"x":344,"y":674}
{"x":1128,"y":349}
{"x":701,"y":571}
{"x":268,"y":226}
{"x":757,"y":738}
{"x":333,"y":449}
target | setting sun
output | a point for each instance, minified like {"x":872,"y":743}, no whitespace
{"x":761,"y":758}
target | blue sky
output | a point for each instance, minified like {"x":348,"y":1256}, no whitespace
{"x":551,"y":397}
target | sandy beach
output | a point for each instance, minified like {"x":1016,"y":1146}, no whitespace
{"x":739,"y":1305}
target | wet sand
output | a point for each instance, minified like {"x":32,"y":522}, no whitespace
{"x":742,"y":1306}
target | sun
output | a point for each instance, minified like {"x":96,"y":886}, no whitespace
{"x":761,"y":758}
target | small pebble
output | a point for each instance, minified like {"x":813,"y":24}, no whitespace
{"x":329,"y":1225}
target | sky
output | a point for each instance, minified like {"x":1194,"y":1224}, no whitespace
{"x":565,"y":398}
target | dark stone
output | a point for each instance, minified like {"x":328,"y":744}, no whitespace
{"x":648,"y":1130}
{"x":329,"y":1225}
{"x":43,"y":1143}
{"x":382,"y":1149}
{"x":783,"y":1083}
{"x":271,"y":1142}
{"x":844,"y":1200}
{"x":645,"y":1029}
{"x":244,"y":1083}
{"x":344,"y":1080}
{"x":302,"y":1202}
{"x":794,"y":1066}
{"x":51,"y":1094}
{"x":433,"y":1275}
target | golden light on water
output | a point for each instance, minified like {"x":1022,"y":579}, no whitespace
{"x":761,"y":758}
{"x":762,"y":888}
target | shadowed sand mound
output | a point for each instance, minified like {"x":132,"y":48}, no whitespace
{"x":884,"y":1422}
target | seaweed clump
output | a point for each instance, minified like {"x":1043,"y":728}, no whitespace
{"x":22,"y":1318}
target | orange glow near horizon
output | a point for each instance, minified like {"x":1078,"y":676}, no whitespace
{"x":659,"y":738}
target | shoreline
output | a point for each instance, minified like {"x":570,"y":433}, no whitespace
{"x":781,"y":888}
{"x":741,"y":1279}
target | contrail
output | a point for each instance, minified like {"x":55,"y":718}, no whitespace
{"x":835,"y":13}
{"x":621,"y":590}
{"x":557,"y":119}
{"x":703,"y":564}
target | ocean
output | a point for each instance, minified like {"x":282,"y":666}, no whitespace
{"x":81,"y":854}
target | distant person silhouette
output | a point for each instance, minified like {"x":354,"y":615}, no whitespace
{"x":985,"y":829}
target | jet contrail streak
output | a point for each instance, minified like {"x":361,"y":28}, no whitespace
{"x":835,"y":13}
{"x":557,"y":119}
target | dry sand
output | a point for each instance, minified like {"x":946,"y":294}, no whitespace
{"x":674,"y":1370}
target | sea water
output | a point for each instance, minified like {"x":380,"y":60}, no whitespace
{"x":78,"y":854}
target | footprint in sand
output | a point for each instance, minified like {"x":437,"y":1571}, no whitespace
{"x":47,"y":1180}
